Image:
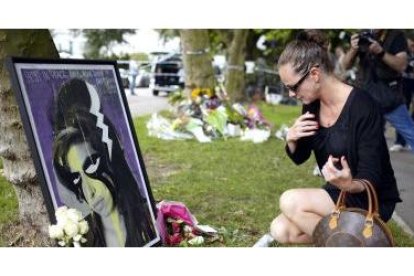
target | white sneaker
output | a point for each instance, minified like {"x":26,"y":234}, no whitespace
{"x":396,"y":148}
{"x":264,"y":241}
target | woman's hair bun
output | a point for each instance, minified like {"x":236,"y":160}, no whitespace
{"x":314,"y":36}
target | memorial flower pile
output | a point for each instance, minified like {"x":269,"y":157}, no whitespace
{"x":209,"y":115}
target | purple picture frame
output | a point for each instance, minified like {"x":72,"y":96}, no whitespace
{"x":37,"y":84}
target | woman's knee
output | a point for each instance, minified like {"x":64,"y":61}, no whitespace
{"x":279,"y":229}
{"x":290,"y":201}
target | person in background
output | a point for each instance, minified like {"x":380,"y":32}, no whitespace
{"x":408,"y":89}
{"x":133,"y":72}
{"x":382,"y":56}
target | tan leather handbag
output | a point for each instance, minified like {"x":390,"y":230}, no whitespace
{"x":353,"y":227}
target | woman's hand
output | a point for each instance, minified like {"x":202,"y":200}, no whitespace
{"x":341,"y":178}
{"x":304,"y":126}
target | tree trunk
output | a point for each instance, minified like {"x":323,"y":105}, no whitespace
{"x":197,"y":60}
{"x":17,"y":161}
{"x":235,"y":67}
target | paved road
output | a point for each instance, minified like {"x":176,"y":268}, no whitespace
{"x":144,"y":102}
{"x":403,"y":164}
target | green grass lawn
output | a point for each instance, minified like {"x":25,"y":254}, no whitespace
{"x":8,"y":206}
{"x":231,"y":185}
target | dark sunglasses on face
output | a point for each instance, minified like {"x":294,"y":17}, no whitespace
{"x":295,"y":87}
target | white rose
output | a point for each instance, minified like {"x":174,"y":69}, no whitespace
{"x":55,"y":232}
{"x":61,"y":243}
{"x":77,"y":238}
{"x":83,"y":227}
{"x":62,"y":219}
{"x":71,"y":228}
{"x":74,"y":215}
{"x":61,"y":211}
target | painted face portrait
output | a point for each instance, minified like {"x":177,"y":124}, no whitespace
{"x":87,"y":170}
{"x":90,"y":164}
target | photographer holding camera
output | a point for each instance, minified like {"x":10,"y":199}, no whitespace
{"x":382,"y":60}
{"x":408,"y":89}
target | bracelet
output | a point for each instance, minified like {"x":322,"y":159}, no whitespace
{"x":381,"y":54}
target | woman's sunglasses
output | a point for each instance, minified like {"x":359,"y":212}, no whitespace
{"x":296,"y":86}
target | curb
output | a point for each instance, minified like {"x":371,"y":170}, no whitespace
{"x":407,"y":229}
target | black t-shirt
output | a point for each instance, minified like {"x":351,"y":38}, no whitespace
{"x":358,"y":135}
{"x":332,"y":140}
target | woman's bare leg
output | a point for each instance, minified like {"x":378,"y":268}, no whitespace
{"x":301,"y":211}
{"x":285,"y":231}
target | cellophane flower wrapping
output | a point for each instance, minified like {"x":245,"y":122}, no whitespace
{"x":177,"y":226}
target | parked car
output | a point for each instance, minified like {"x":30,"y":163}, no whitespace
{"x":167,"y":74}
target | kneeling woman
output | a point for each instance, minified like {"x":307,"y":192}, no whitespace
{"x":342,"y":125}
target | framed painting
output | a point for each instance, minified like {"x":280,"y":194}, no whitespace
{"x":84,"y":146}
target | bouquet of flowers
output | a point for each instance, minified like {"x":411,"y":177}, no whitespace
{"x":180,"y":233}
{"x":70,"y":227}
{"x":178,"y":227}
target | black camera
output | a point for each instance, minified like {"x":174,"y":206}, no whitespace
{"x":365,"y":39}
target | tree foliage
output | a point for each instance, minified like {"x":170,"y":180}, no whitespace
{"x":100,"y":42}
{"x":167,"y":34}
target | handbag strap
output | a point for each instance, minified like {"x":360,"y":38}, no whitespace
{"x":372,"y":210}
{"x":375,"y":204}
{"x":371,"y":195}
{"x":368,"y":231}
{"x":373,"y":207}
